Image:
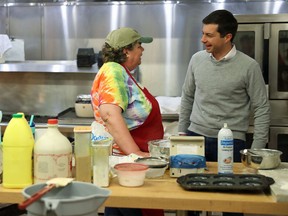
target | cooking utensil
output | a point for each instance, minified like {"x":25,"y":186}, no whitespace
{"x":225,"y":182}
{"x":52,"y":183}
{"x":77,"y":199}
{"x":261,"y":158}
{"x":31,"y":120}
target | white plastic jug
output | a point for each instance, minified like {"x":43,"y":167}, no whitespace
{"x":52,"y":155}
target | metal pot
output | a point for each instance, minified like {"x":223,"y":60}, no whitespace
{"x":261,"y":158}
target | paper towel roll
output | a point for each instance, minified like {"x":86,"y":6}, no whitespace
{"x":16,"y":53}
{"x":5,"y":44}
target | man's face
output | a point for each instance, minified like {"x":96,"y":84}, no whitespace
{"x":212,"y":40}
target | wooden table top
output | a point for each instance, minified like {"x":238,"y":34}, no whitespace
{"x":165,"y":193}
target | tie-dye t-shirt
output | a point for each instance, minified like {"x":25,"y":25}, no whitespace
{"x":112,"y":85}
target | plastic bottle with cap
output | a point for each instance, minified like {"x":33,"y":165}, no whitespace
{"x":52,"y":154}
{"x":225,"y":150}
{"x":18,"y":143}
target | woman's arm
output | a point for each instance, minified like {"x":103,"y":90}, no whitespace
{"x":111,"y":115}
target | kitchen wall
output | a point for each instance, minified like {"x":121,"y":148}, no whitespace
{"x":55,"y":31}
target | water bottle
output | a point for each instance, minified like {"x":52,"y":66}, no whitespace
{"x":225,"y":150}
{"x":18,"y":143}
{"x":52,"y":155}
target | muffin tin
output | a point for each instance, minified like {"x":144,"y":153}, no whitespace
{"x":225,"y":182}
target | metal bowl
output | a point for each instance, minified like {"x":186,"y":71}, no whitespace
{"x":261,"y":158}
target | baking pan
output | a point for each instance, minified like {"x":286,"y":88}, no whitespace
{"x":225,"y":182}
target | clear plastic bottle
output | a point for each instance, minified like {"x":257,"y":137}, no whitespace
{"x":225,"y":150}
{"x":18,"y":143}
{"x":52,"y":154}
{"x":101,"y":149}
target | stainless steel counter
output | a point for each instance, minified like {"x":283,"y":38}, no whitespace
{"x":47,"y":67}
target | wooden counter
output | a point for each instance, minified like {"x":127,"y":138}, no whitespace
{"x":165,"y":193}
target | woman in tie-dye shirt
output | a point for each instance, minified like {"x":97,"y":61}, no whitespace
{"x":128,"y":111}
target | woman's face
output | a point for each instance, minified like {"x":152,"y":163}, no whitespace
{"x":133,"y":56}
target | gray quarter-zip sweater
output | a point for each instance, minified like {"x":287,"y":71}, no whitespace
{"x":218,"y":92}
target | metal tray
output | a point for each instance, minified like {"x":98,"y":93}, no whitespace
{"x":225,"y":182}
{"x":69,"y":117}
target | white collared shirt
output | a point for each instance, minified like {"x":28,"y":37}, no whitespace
{"x":229,"y":55}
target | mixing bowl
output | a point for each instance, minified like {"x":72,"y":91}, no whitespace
{"x":159,"y":148}
{"x":157,"y":166}
{"x":261,"y":158}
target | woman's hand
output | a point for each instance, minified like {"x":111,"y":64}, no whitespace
{"x":142,"y":154}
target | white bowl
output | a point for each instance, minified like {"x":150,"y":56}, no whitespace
{"x":155,"y":172}
{"x":157,"y":166}
{"x":131,"y":174}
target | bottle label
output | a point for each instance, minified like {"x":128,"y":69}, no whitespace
{"x":47,"y":166}
{"x":225,"y":156}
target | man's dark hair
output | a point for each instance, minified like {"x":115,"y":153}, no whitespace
{"x":225,"y":20}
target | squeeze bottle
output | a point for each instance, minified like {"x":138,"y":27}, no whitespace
{"x":225,"y":150}
{"x":52,"y":155}
{"x":18,"y":143}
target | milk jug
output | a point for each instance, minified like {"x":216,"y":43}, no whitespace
{"x":225,"y":150}
{"x":18,"y":145}
{"x":52,"y":154}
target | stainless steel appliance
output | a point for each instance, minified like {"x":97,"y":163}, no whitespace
{"x":278,"y":58}
{"x":279,"y":140}
{"x":265,"y":38}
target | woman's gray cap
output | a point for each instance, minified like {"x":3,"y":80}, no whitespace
{"x":124,"y":36}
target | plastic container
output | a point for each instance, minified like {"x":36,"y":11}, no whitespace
{"x":225,"y":150}
{"x":82,"y":153}
{"x":83,"y":106}
{"x":17,"y":146}
{"x":183,"y":164}
{"x":77,"y":199}
{"x":101,"y":150}
{"x":52,"y":155}
{"x":159,"y":148}
{"x":131,"y":174}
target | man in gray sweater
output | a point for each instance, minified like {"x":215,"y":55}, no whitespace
{"x":223,"y":85}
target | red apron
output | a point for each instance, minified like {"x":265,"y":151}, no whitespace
{"x":151,"y":129}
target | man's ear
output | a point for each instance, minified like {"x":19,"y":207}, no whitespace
{"x":228,"y":37}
